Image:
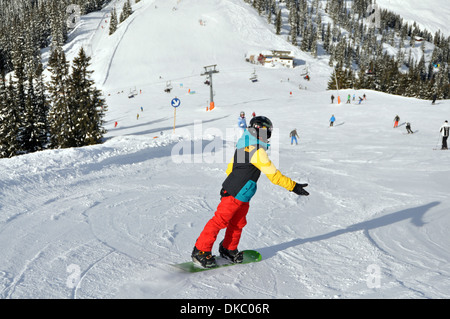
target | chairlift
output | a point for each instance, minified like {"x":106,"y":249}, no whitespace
{"x":254,"y":77}
{"x":305,"y":72}
{"x":169,"y":87}
{"x":132,"y":94}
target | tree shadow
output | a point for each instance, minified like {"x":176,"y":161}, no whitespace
{"x":157,"y":129}
{"x":415,"y":214}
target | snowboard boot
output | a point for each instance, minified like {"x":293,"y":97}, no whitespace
{"x":203,"y":258}
{"x":235,"y":256}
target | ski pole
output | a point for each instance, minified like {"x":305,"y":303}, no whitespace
{"x":439,"y":139}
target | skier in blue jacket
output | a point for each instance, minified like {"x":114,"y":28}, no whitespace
{"x":242,"y":123}
{"x":332,"y":119}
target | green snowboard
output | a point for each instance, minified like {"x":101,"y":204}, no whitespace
{"x":250,"y":256}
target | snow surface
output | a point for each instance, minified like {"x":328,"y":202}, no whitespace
{"x":106,"y":221}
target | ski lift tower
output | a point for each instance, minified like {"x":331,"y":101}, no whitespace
{"x":209,"y":71}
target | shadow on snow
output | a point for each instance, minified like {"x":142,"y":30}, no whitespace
{"x":415,"y":214}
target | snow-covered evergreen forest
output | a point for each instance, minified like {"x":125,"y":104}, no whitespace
{"x":36,"y":114}
{"x":370,"y":47}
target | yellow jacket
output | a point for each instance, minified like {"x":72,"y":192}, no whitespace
{"x":245,"y":168}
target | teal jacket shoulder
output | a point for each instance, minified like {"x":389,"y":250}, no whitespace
{"x":248,"y":139}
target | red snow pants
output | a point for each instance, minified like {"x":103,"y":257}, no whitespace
{"x":230,"y":214}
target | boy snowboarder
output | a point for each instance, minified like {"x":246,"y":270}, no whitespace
{"x":332,"y":119}
{"x":445,"y":128}
{"x":250,"y":159}
{"x":293,"y":135}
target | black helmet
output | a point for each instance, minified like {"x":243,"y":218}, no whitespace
{"x":261,"y":127}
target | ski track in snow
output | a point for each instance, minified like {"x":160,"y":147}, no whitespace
{"x":106,"y":221}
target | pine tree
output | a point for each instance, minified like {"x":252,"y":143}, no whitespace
{"x":126,"y":11}
{"x":4,"y":107}
{"x":41,"y":110}
{"x":19,"y":62}
{"x":58,"y":24}
{"x":442,"y":83}
{"x":34,"y":127}
{"x":344,"y":79}
{"x":9,"y":116}
{"x":113,"y":23}
{"x":278,"y":22}
{"x":86,"y":103}
{"x":60,"y":116}
{"x":28,"y":123}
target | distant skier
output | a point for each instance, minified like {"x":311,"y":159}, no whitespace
{"x":293,"y":135}
{"x":332,"y":98}
{"x":396,"y":120}
{"x":244,"y":170}
{"x":348,"y":99}
{"x":354,"y":96}
{"x":364,"y":96}
{"x":434,"y":98}
{"x":445,"y":133}
{"x":360,"y":100}
{"x":242,"y":123}
{"x":332,"y":119}
{"x":408,"y":128}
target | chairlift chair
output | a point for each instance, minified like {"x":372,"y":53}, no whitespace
{"x":169,"y":87}
{"x":254,"y":77}
{"x":305,"y":72}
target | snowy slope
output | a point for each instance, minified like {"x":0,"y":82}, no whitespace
{"x":106,"y":221}
{"x":430,"y":15}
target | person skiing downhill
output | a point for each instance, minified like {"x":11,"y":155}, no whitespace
{"x":445,"y":128}
{"x":332,"y":119}
{"x":242,"y":123}
{"x":408,"y":128}
{"x":293,"y":135}
{"x":249,"y":160}
{"x":396,"y":120}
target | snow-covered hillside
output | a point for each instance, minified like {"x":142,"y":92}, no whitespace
{"x":430,"y":15}
{"x":106,"y":221}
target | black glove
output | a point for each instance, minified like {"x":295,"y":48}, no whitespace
{"x":298,"y":189}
